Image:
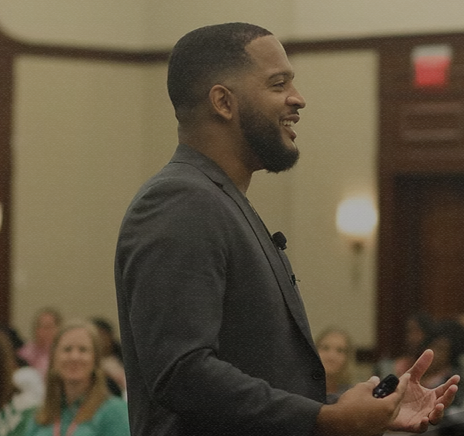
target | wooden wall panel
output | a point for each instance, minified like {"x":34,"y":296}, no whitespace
{"x":421,"y":144}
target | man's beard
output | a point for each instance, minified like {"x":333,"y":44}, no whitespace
{"x":265,"y":139}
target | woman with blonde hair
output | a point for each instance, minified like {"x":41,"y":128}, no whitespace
{"x":337,"y":354}
{"x":77,"y":401}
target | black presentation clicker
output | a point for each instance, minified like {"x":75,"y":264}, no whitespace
{"x":386,"y":386}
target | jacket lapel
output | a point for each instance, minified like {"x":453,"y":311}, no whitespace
{"x":278,"y":261}
{"x":277,"y":258}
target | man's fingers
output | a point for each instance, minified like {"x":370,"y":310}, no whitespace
{"x":436,"y":415}
{"x":400,"y":393}
{"x":421,"y":365}
{"x":403,"y":384}
{"x":454,"y":380}
{"x":448,"y":396}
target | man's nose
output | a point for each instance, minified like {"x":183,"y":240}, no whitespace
{"x":296,"y":99}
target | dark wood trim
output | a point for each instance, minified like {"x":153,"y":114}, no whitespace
{"x":141,"y":57}
{"x":368,"y":43}
{"x":14,"y":48}
{"x":6,"y":92}
{"x":154,"y":56}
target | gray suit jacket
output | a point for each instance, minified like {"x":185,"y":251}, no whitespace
{"x":214,"y":334}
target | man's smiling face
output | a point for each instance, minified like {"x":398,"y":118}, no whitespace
{"x":269,"y":104}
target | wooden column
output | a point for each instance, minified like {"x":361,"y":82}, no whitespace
{"x":6,"y":98}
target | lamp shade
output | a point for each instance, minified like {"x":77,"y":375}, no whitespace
{"x":356,"y":217}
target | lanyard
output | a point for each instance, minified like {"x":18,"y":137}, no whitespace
{"x":57,"y":428}
{"x":72,"y":427}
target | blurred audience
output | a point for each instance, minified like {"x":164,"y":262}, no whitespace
{"x":418,"y":327}
{"x":45,"y":326}
{"x":77,"y":400}
{"x":111,"y":357}
{"x":447,"y":342}
{"x":16,"y":405}
{"x":27,"y":380}
{"x":337,"y":354}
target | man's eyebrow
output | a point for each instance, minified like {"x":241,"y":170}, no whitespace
{"x":285,"y":74}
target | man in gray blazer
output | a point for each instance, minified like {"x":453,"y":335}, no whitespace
{"x":214,"y":334}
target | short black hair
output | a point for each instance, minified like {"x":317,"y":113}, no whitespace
{"x":202,"y":55}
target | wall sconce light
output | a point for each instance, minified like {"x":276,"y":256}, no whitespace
{"x":356,"y":221}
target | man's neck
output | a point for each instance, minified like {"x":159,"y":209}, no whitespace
{"x":233,"y":158}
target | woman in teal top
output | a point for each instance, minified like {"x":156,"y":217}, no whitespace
{"x":77,"y":402}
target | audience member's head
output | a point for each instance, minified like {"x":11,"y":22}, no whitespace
{"x":110,"y":345}
{"x":336,"y":351}
{"x":418,"y":327}
{"x":47,"y":322}
{"x":447,"y":342}
{"x":16,"y":341}
{"x":64,"y":380}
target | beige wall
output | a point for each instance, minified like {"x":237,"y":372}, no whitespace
{"x":133,"y":24}
{"x":339,"y":160}
{"x":337,"y":136}
{"x":142,"y":24}
{"x":319,"y":19}
{"x":82,"y":144}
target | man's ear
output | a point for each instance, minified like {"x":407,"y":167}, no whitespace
{"x":222,"y":101}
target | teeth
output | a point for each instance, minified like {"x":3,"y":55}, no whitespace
{"x":288,"y":123}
